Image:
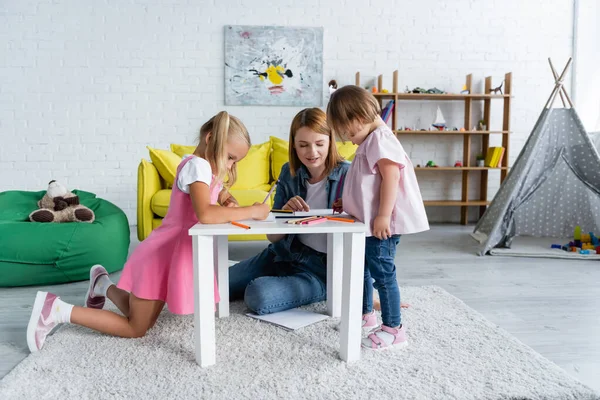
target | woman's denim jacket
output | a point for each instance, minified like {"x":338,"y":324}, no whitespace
{"x":289,"y":187}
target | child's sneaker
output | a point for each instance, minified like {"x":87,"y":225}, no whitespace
{"x":386,"y":338}
{"x":369,"y":323}
{"x":93,"y":300}
{"x":42,"y":320}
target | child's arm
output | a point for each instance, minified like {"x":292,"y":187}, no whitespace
{"x":226,"y":199}
{"x":390,"y":174}
{"x":213,"y":214}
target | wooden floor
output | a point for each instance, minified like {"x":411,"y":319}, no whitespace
{"x":551,"y":305}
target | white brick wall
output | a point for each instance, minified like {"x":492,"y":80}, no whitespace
{"x":85,"y":86}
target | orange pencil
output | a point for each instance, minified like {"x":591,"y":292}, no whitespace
{"x":240,"y":225}
{"x":340,"y":219}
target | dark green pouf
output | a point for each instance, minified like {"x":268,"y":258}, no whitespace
{"x":34,"y":253}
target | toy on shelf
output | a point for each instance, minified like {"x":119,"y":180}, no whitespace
{"x":435,"y":91}
{"x":430,"y":164}
{"x":384,"y":91}
{"x":482,"y":126}
{"x":440,"y":122}
{"x":497,"y":89}
{"x":332,"y":86}
{"x":419,"y":90}
{"x":465,"y":90}
{"x":458,"y":163}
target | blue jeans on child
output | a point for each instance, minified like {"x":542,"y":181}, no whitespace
{"x":283,"y":276}
{"x":380,"y":267}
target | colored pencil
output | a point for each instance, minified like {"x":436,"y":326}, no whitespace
{"x":340,"y":219}
{"x":270,"y":192}
{"x":314,"y":221}
{"x":283,"y":211}
{"x":240,"y":225}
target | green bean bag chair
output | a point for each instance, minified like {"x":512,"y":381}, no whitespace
{"x":34,"y":253}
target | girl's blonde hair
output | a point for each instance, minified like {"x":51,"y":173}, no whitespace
{"x":315,"y":120}
{"x":223,"y":127}
{"x":349,"y":104}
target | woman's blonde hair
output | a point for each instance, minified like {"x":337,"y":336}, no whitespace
{"x":349,"y":104}
{"x":315,"y":120}
{"x":223,"y":127}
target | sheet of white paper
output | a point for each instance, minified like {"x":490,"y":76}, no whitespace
{"x":311,"y":213}
{"x":291,"y":319}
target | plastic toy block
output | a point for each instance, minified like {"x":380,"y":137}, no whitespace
{"x":556,"y":246}
{"x":577,"y":233}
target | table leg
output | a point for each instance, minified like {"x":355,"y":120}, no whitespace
{"x":222,"y":272}
{"x":335,"y":258}
{"x":204,"y":301}
{"x":352,"y":293}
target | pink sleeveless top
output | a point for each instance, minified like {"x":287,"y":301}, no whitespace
{"x":161,"y":267}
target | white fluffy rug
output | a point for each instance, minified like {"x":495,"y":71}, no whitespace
{"x":454,"y":353}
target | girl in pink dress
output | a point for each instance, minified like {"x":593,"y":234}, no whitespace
{"x":381,"y":190}
{"x":160,"y":270}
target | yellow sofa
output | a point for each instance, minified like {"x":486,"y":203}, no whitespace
{"x":256,"y":173}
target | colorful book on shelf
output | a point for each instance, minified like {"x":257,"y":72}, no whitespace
{"x":494,"y":156}
{"x":500,"y":157}
{"x":387,"y":111}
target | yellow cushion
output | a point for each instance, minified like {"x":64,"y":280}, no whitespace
{"x":166,"y":163}
{"x":346,"y":150}
{"x":182,"y":150}
{"x":279,"y":155}
{"x":253,"y":170}
{"x":160,"y":202}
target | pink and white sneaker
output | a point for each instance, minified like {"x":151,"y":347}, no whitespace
{"x":93,"y":300}
{"x":42,"y":321}
{"x":369,"y":323}
{"x":386,"y":338}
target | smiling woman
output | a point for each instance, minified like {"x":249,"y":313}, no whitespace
{"x":292,"y":271}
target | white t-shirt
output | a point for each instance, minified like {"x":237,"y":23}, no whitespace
{"x":195,"y":170}
{"x":316,"y":198}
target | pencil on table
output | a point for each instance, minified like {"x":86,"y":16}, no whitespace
{"x":340,"y":219}
{"x":240,"y":225}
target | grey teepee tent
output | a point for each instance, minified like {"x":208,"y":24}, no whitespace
{"x":553,"y":185}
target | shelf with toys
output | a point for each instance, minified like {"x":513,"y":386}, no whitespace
{"x":465,"y":165}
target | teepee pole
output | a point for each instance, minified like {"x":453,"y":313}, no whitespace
{"x":558,"y":85}
{"x":563,"y":90}
{"x":562,"y":99}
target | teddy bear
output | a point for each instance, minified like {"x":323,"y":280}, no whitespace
{"x":60,"y":205}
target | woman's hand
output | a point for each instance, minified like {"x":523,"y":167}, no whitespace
{"x":260,"y":211}
{"x":296,"y":203}
{"x":381,"y":227}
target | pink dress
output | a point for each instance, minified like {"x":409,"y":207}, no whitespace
{"x":360,"y":197}
{"x":161,"y":267}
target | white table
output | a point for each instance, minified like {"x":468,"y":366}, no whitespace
{"x":345,"y":275}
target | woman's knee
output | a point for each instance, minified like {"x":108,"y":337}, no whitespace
{"x":255,"y":295}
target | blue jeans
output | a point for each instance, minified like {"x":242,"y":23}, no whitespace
{"x":380,"y":267}
{"x":274,"y":281}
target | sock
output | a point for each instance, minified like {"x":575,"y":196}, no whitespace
{"x":102,"y":285}
{"x":61,"y":311}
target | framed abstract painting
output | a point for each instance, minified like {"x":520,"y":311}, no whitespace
{"x":273,"y":65}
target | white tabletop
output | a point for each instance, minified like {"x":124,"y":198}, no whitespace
{"x":280,"y":226}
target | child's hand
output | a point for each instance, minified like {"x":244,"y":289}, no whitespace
{"x":296,"y":203}
{"x":337,"y":206}
{"x":381,"y":227}
{"x":260,"y":211}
